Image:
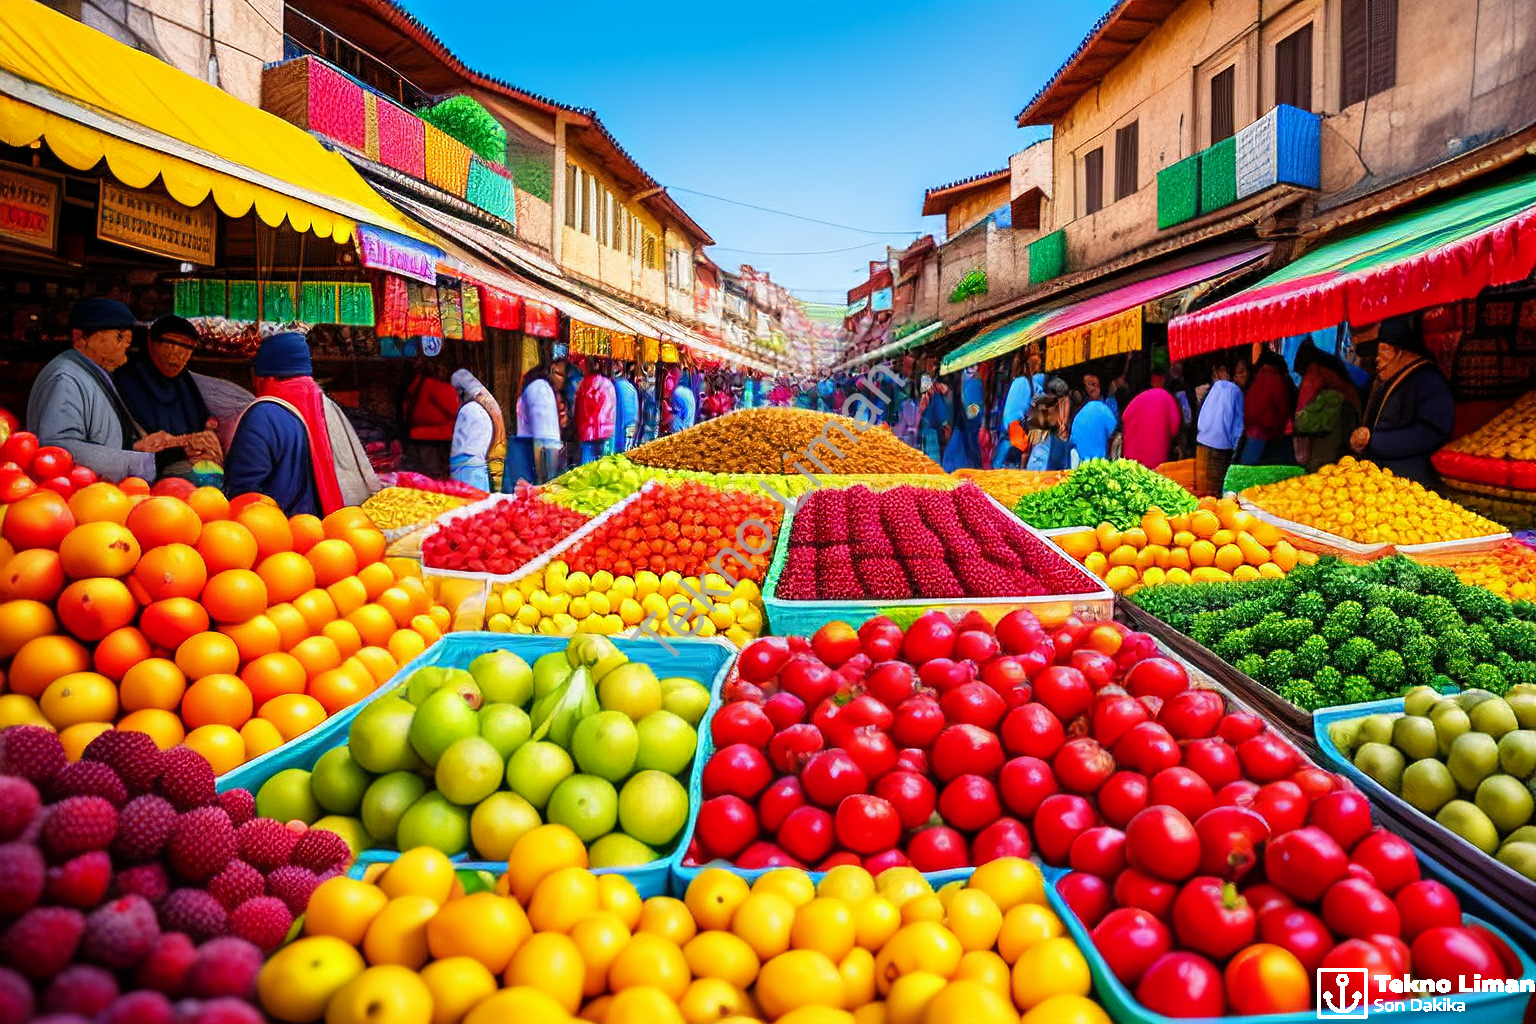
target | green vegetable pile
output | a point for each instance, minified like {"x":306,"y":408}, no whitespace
{"x":1240,"y":478}
{"x":1334,"y":633}
{"x":1118,"y":492}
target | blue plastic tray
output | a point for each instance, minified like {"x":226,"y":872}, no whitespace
{"x":707,"y":660}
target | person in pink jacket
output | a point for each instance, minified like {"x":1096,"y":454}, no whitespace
{"x":1150,"y":423}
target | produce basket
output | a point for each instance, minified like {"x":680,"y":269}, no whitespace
{"x":1312,"y":539}
{"x":708,"y":660}
{"x":1502,"y":883}
{"x":534,"y":564}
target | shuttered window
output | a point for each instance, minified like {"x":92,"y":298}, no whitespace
{"x":572,"y":195}
{"x":1293,"y":68}
{"x":1223,"y":104}
{"x":1093,"y":174}
{"x":1368,"y":63}
{"x":1126,"y":140}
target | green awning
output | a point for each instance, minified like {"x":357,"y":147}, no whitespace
{"x":999,"y":341}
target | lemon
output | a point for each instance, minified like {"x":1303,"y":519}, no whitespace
{"x":713,"y":897}
{"x":1050,"y":968}
{"x":599,"y":938}
{"x":650,"y":961}
{"x":398,"y":935}
{"x":791,"y":883}
{"x":617,"y":895}
{"x":848,"y":882}
{"x":722,"y":955}
{"x":875,"y":920}
{"x":922,"y":946}
{"x":987,"y":967}
{"x":520,"y":1003}
{"x":1024,"y":927}
{"x":974,"y":919}
{"x":764,"y":920}
{"x":552,"y":963}
{"x":825,"y":924}
{"x":641,"y":1004}
{"x":456,"y":984}
{"x":1009,"y":881}
{"x":562,"y":898}
{"x":539,"y":852}
{"x":667,"y":917}
{"x":1066,"y":1009}
{"x":969,"y":1002}
{"x":423,"y":871}
{"x":799,"y":977}
{"x":481,"y":925}
{"x":858,"y":972}
{"x":711,"y":999}
{"x":602,"y":581}
{"x":910,"y":995}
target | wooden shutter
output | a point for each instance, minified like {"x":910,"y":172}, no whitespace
{"x":1126,"y":140}
{"x":1355,"y":56}
{"x":1293,"y":68}
{"x":1223,"y":104}
{"x":1093,"y":172}
{"x":1383,"y":69}
{"x":572,"y":184}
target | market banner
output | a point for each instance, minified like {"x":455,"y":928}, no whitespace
{"x":158,"y":224}
{"x":471,"y":299}
{"x":588,"y":340}
{"x":450,"y":310}
{"x":540,"y":319}
{"x":393,"y":307}
{"x":29,"y":206}
{"x":381,"y":249}
{"x":422,"y":316}
{"x":880,"y":301}
{"x":502,"y":310}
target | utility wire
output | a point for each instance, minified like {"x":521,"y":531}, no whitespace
{"x":785,"y":213}
{"x":817,"y":252}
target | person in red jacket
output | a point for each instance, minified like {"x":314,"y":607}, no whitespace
{"x":1267,"y":407}
{"x":431,"y":407}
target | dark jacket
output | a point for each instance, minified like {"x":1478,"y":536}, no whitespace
{"x":1410,"y":417}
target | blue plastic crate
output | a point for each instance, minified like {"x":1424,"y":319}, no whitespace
{"x":707,"y":660}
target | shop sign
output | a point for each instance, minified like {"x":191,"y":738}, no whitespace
{"x":29,"y":207}
{"x":157,"y":224}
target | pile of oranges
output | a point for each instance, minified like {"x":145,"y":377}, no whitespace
{"x":1218,"y":541}
{"x":222,"y":624}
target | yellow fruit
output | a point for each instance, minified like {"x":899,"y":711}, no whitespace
{"x":1228,"y":557}
{"x":847,"y":882}
{"x":482,"y":925}
{"x":517,"y":1004}
{"x":1066,"y":1009}
{"x":1270,"y":571}
{"x":344,"y":908}
{"x":564,"y":897}
{"x":1025,"y":927}
{"x":923,"y":946}
{"x":1050,"y":968}
{"x":858,"y":972}
{"x":875,"y":920}
{"x":1254,"y":553}
{"x":1178,"y":558}
{"x":826,"y":925}
{"x":79,"y":697}
{"x":1122,"y":555}
{"x":650,"y":961}
{"x":1283,"y":554}
{"x":800,"y":977}
{"x":1178,"y":576}
{"x":1096,"y":563}
{"x":910,"y":995}
{"x":220,"y":745}
{"x":764,"y":920}
{"x":641,"y":1004}
{"x":550,"y":962}
{"x":709,"y":1000}
{"x":1136,"y":537}
{"x":19,"y":709}
{"x":722,"y":955}
{"x":1010,"y":881}
{"x":456,"y":984}
{"x":1210,"y":574}
{"x":1158,"y":531}
{"x":1204,"y":523}
{"x":969,"y":1002}
{"x":987,"y":967}
{"x":667,"y":917}
{"x":974,"y":919}
{"x":1077,"y":544}
{"x":927,"y":907}
{"x":1153,"y":576}
{"x":713,"y":896}
{"x":1221,"y":538}
{"x":816,"y":1015}
{"x":599,"y":937}
{"x":387,"y":994}
{"x":75,"y":738}
{"x":1245,"y":573}
{"x":1121,"y":578}
{"x":901,"y":884}
{"x":299,"y":980}
{"x":539,"y":852}
{"x":616,"y":894}
{"x":420,"y":872}
{"x":1108,"y":537}
{"x":791,"y":883}
{"x":398,"y":935}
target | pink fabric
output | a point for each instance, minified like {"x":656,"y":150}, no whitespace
{"x":1150,"y":422}
{"x":306,"y":397}
{"x":595,"y":406}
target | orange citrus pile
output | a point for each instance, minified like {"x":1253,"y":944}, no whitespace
{"x":1509,"y":570}
{"x":222,"y":624}
{"x":1218,"y":541}
{"x":1009,"y":485}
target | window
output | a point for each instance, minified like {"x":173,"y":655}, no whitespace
{"x":572,"y":196}
{"x":1093,"y":172}
{"x":1223,"y":103}
{"x":1125,"y":160}
{"x":680,"y":269}
{"x":620,"y":220}
{"x":1369,"y":50}
{"x":648,"y":255}
{"x":1293,"y":68}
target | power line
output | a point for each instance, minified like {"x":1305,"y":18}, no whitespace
{"x":817,"y":252}
{"x":785,"y":213}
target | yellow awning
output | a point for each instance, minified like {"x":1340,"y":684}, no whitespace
{"x":91,"y":97}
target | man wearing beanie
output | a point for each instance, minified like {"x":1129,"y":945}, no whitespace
{"x":1410,"y":411}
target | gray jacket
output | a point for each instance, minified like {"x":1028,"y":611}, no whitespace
{"x":70,"y":409}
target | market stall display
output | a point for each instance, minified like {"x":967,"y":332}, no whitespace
{"x":1500,"y":453}
{"x":1118,"y":492}
{"x":1240,"y":478}
{"x":398,"y":508}
{"x":499,"y":535}
{"x":1507,"y":568}
{"x":1007,"y":486}
{"x":772,"y":440}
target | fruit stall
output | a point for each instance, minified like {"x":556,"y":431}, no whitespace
{"x":694,"y":734}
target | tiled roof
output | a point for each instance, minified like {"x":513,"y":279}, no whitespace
{"x":1115,"y":35}
{"x":939,"y":199}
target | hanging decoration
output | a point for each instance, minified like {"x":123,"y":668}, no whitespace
{"x":279,"y":302}
{"x":450,"y":310}
{"x":588,"y":340}
{"x":621,"y":346}
{"x":394,"y":309}
{"x":447,"y":161}
{"x":540,"y":319}
{"x":650,"y":349}
{"x":502,"y":310}
{"x":380,"y":249}
{"x":472,"y":321}
{"x":422,"y":317}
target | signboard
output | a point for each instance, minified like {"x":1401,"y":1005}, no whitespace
{"x":880,"y":301}
{"x":155,"y":223}
{"x":29,"y":206}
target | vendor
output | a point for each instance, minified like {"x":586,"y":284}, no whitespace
{"x":1220,"y":429}
{"x":163,"y":396}
{"x":282,"y":447}
{"x":431,"y":409}
{"x":1410,"y":411}
{"x":75,"y":404}
{"x":478,"y":454}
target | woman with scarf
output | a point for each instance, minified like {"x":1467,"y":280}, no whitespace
{"x":282,"y":447}
{"x":933,"y":417}
{"x":479,"y":451}
{"x":1327,"y":408}
{"x":1267,"y":406}
{"x":163,"y":396}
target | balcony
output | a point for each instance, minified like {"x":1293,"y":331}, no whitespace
{"x":1281,"y":148}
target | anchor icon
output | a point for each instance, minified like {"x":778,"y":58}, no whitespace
{"x":1346,"y":1005}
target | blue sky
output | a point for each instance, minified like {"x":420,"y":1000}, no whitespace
{"x":838,"y":110}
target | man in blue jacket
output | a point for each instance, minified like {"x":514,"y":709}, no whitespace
{"x":1410,"y":412}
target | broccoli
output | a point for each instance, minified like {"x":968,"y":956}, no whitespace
{"x":1249,"y":613}
{"x":1477,"y":604}
{"x":1384,"y":627}
{"x":1310,"y":605}
{"x":1386,"y":670}
{"x":1379,"y":595}
{"x":1272,"y":631}
{"x":1419,"y":658}
{"x":1352,"y":655}
{"x":1438,"y":580}
{"x":1205,"y":628}
{"x":1439,"y":615}
{"x":1479,"y":643}
{"x":1278,"y":667}
{"x":1412,"y":627}
{"x":1343,"y":622}
{"x":1523,"y":610}
{"x":1459,"y":664}
{"x":1234,"y":645}
{"x":1311,"y":656}
{"x":1521,"y":672}
{"x":1514,"y":636}
{"x":1445,"y":684}
{"x":1329,"y":683}
{"x":1488,"y":677}
{"x":1358,"y":690}
{"x":1250,"y":665}
{"x":1302,"y":693}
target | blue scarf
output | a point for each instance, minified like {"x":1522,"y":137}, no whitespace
{"x":158,"y":402}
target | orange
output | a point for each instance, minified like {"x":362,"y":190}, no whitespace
{"x":420,"y":599}
{"x":373,"y":623}
{"x":348,"y":594}
{"x":167,"y":624}
{"x":40,"y":520}
{"x":36,"y":574}
{"x":333,"y":560}
{"x":152,"y":683}
{"x":98,"y":549}
{"x":369,"y":544}
{"x":220,"y":746}
{"x":376,"y":579}
{"x":398,"y":603}
{"x":100,"y":503}
{"x":336,"y":689}
{"x":293,"y":713}
{"x":79,"y":697}
{"x":218,"y":699}
{"x":254,"y":637}
{"x":44,"y":659}
{"x":403,"y":567}
{"x":316,"y":606}
{"x":1229,"y":557}
{"x":317,"y":654}
{"x":206,"y":654}
{"x":132,"y":485}
{"x":162,"y":726}
{"x":75,"y":738}
{"x":405,"y":645}
{"x":307,"y":531}
{"x":357,"y":670}
{"x":259,"y":736}
{"x":1202,"y":552}
{"x":171,"y":570}
{"x":291,"y":627}
{"x":441,"y":617}
{"x":1204,"y":523}
{"x":90,"y":609}
{"x":226,"y":545}
{"x":345,"y":635}
{"x":273,"y":675}
{"x":119,"y":651}
{"x":209,"y":503}
{"x":21,"y":621}
{"x":235,"y":595}
{"x":270,"y":528}
{"x":164,"y":520}
{"x":424,"y":625}
{"x":378,"y":661}
{"x":287,"y":574}
{"x":343,"y":519}
{"x":240,"y":502}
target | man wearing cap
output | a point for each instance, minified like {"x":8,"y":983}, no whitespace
{"x":75,"y":404}
{"x":1410,"y":411}
{"x":162,"y":395}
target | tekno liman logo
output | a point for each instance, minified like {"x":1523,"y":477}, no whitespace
{"x":1342,"y":993}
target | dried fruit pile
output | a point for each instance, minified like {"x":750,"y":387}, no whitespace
{"x":1501,"y":453}
{"x":129,"y":884}
{"x":1098,"y":491}
{"x":772,"y":440}
{"x":394,"y":507}
{"x":909,"y":542}
{"x":501,"y":538}
{"x":1508,"y":570}
{"x":1009,"y":485}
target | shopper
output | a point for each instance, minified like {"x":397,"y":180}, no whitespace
{"x":933,"y":417}
{"x":1267,"y":406}
{"x":684,"y":406}
{"x":1151,"y":424}
{"x":1094,"y":425}
{"x":163,"y":396}
{"x":1327,"y":408}
{"x":1219,"y":431}
{"x":962,"y":450}
{"x":626,"y":410}
{"x":1050,"y":446}
{"x":538,"y":418}
{"x":75,"y":404}
{"x":1027,"y":384}
{"x":1410,"y":412}
{"x":431,"y":408}
{"x":596,"y":403}
{"x":478,"y":454}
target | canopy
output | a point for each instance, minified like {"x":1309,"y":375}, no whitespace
{"x":1442,"y":252}
{"x":92,"y":97}
{"x":896,"y":347}
{"x":1043,"y":323}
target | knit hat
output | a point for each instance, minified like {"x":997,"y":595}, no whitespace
{"x":101,"y":314}
{"x":283,"y":355}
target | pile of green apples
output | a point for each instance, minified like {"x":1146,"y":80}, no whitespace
{"x":471,"y":759}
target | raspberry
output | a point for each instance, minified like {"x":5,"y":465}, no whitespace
{"x":22,"y":873}
{"x":320,"y":850}
{"x":293,"y":885}
{"x":81,"y":881}
{"x":237,"y":883}
{"x":147,"y":880}
{"x":265,"y":844}
{"x":18,"y":805}
{"x":166,"y":966}
{"x":78,"y":824}
{"x":195,"y":912}
{"x":132,"y":755}
{"x":121,"y":933}
{"x":224,"y":967}
{"x":186,"y":779}
{"x":90,"y":778}
{"x":43,"y":941}
{"x":263,"y":921}
{"x":81,"y":989}
{"x":145,"y":1006}
{"x":226,"y":1011}
{"x":32,"y":752}
{"x":16,"y":1006}
{"x":239,"y":804}
{"x":202,"y":842}
{"x":143,"y":826}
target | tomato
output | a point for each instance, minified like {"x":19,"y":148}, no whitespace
{"x":1161,"y":842}
{"x":1147,"y":748}
{"x":1426,"y":904}
{"x":917,"y":721}
{"x":806,"y":677}
{"x":783,"y":710}
{"x":1005,"y":674}
{"x":1157,"y":677}
{"x":911,"y":794}
{"x":1266,"y":757}
{"x":891,"y":858}
{"x":1304,"y":863}
{"x":1064,"y":691}
{"x":1343,"y":814}
{"x":891,"y":682}
{"x":1374,"y":957}
{"x":1135,"y":648}
{"x":59,"y":485}
{"x":739,"y":769}
{"x":830,"y":776}
{"x":1099,"y":851}
{"x":726,"y":825}
{"x":1299,"y":931}
{"x":1038,"y":660}
{"x":791,"y":748}
{"x":19,"y":448}
{"x":938,"y":848}
{"x":1239,"y":726}
{"x":741,"y":722}
{"x":1283,"y":805}
{"x":976,"y":645}
{"x":807,"y":833}
{"x":1182,"y":985}
{"x":854,"y":669}
{"x":1023,"y":783}
{"x":865,"y":710}
{"x":766,"y":855}
{"x":974,"y":703}
{"x":1183,"y":789}
{"x":962,"y":749}
{"x":1059,"y":820}
{"x":1096,"y":667}
{"x":15,"y":485}
{"x":1081,"y":765}
{"x":1033,"y":730}
{"x":1019,"y":631}
{"x":1267,"y":979}
{"x":1087,"y":895}
{"x":1229,"y":841}
{"x":931,"y":636}
{"x":911,"y":759}
{"x":969,"y":802}
{"x":781,"y":797}
{"x":1121,"y":796}
{"x":1115,"y":716}
{"x":1355,"y":908}
{"x":1211,"y":917}
{"x":834,"y":643}
{"x":50,"y":461}
{"x":739,"y":690}
{"x":82,"y":476}
{"x":1263,"y":897}
{"x":1005,"y":837}
{"x":867,"y":824}
{"x":1129,"y":940}
{"x":1316,"y":783}
{"x":1193,"y":714}
{"x":1155,"y":896}
{"x":1390,"y":860}
{"x":880,"y":638}
{"x":943,"y":675}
